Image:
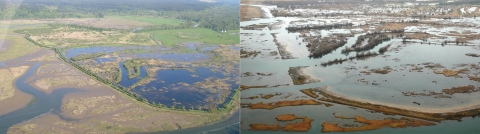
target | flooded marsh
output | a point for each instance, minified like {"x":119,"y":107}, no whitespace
{"x":367,"y":66}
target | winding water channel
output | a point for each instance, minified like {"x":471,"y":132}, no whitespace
{"x":51,"y":104}
{"x":44,"y":103}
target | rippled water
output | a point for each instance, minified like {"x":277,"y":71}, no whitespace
{"x":345,"y":82}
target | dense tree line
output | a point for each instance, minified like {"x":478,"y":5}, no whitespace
{"x":218,"y":16}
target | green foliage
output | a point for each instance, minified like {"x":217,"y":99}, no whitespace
{"x":118,"y":76}
{"x":133,"y":67}
{"x":143,"y":80}
{"x":229,"y":105}
{"x":57,"y":25}
{"x":216,"y":18}
{"x":207,"y":36}
{"x":87,"y":56}
{"x":153,"y":20}
{"x":139,"y":38}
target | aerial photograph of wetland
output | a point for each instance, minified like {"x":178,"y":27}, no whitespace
{"x":359,"y":66}
{"x":119,"y":66}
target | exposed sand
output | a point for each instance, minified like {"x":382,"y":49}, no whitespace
{"x":7,"y":89}
{"x":418,"y":109}
{"x":54,"y":74}
{"x":20,"y":100}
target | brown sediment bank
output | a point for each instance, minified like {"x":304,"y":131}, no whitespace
{"x":461,"y":89}
{"x":247,"y":54}
{"x":448,"y":72}
{"x":381,"y":71}
{"x":376,"y":124}
{"x":303,"y":126}
{"x":17,"y":101}
{"x":299,"y":77}
{"x":286,"y":117}
{"x":268,"y":96}
{"x":474,"y":78}
{"x":377,"y":71}
{"x":243,"y":87}
{"x":252,"y":97}
{"x":421,"y":113}
{"x":472,"y":55}
{"x":309,"y":93}
{"x":274,"y":105}
{"x":265,"y":127}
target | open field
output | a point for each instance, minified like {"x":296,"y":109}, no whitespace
{"x":152,"y":20}
{"x":201,"y":35}
{"x":16,"y":47}
{"x":107,"y":22}
{"x":62,"y":35}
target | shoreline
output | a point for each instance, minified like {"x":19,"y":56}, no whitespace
{"x":410,"y":108}
{"x":388,"y":109}
{"x":21,"y":98}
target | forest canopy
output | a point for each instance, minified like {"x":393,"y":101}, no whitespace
{"x":218,"y":16}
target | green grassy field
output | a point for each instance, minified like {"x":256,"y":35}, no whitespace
{"x":19,"y":46}
{"x":203,"y":35}
{"x":151,"y":20}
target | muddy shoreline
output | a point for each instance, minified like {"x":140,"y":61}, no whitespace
{"x":299,"y":77}
{"x":429,"y":114}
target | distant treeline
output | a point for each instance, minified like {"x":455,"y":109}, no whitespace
{"x":462,"y":2}
{"x":216,"y":18}
{"x":222,"y":15}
